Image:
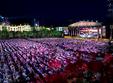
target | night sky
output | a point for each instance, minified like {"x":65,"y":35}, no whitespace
{"x":54,"y":12}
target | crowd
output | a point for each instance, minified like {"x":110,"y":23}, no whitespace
{"x":55,"y":60}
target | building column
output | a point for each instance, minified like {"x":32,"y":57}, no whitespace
{"x":101,"y":32}
{"x":69,"y":31}
{"x":78,"y":31}
{"x":72,"y":32}
{"x":75,"y":31}
{"x":98,"y":33}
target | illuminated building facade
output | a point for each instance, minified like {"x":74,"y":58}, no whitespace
{"x":16,"y":28}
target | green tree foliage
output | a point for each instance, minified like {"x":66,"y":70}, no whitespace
{"x":43,"y":33}
{"x":11,"y":34}
{"x":4,"y":33}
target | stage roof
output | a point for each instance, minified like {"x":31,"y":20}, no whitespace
{"x":85,"y":23}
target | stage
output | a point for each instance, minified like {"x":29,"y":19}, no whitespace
{"x":96,"y":39}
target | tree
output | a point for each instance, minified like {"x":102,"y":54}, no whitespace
{"x":11,"y":34}
{"x":18,"y":34}
{"x":5,"y":33}
{"x":24,"y":34}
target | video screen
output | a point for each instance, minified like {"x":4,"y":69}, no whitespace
{"x":89,"y":32}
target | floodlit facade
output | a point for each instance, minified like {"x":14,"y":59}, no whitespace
{"x":1,"y":27}
{"x":60,"y":28}
{"x":16,"y":27}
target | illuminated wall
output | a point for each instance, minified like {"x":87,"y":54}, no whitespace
{"x":16,"y":28}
